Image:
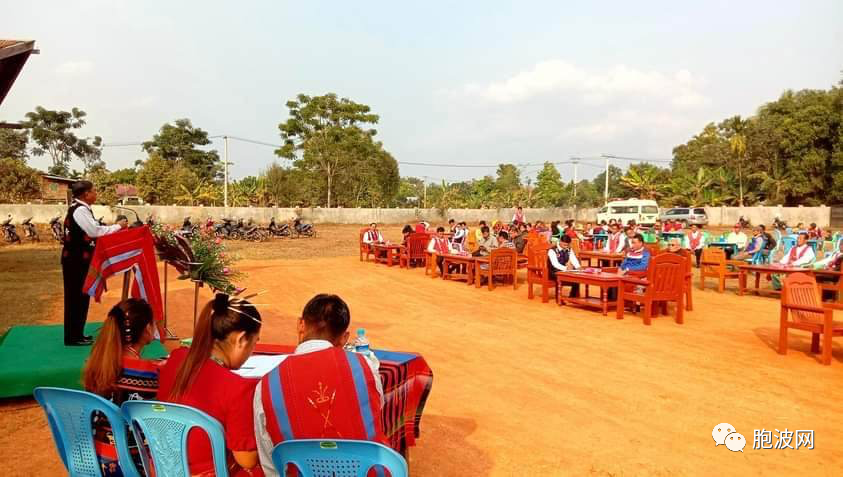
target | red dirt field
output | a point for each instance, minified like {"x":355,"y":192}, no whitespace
{"x":525,"y":388}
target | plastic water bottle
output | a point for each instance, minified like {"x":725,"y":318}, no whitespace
{"x":361,"y":344}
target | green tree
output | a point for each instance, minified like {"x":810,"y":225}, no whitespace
{"x":18,"y":182}
{"x":53,"y":133}
{"x":124,"y":176}
{"x":645,"y":181}
{"x":736,"y":133}
{"x":324,"y":133}
{"x":689,"y":189}
{"x":509,"y":178}
{"x":13,"y":144}
{"x":106,"y":185}
{"x":549,"y":188}
{"x":410,"y":187}
{"x":615,"y":186}
{"x":160,"y":181}
{"x":180,"y":142}
{"x":285,"y":187}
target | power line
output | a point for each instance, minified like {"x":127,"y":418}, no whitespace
{"x":581,"y":160}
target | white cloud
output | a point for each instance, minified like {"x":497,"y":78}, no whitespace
{"x":617,"y":123}
{"x":75,"y":68}
{"x":562,"y":79}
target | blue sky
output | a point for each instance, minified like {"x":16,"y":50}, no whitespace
{"x":454,"y":82}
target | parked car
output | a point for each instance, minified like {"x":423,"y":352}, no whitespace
{"x":686,"y":215}
{"x":130,"y":200}
{"x":643,"y":212}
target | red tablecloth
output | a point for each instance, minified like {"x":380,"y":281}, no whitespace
{"x":407,"y":380}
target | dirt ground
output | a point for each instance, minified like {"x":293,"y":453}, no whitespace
{"x":525,"y":388}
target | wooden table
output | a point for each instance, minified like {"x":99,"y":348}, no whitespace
{"x":386,"y":253}
{"x":602,"y":280}
{"x":743,"y":270}
{"x":477,"y":262}
{"x":725,"y":245}
{"x":459,"y":262}
{"x":614,"y":259}
{"x":831,"y":286}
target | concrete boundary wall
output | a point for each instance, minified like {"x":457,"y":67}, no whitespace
{"x":175,"y":215}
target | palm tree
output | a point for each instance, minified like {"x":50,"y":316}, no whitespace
{"x":690,"y":189}
{"x":776,"y":183}
{"x":737,"y":144}
{"x":644,"y":182}
{"x":190,"y":195}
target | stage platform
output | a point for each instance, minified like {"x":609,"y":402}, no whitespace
{"x":32,"y":356}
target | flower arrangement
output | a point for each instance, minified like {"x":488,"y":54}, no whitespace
{"x":199,"y":256}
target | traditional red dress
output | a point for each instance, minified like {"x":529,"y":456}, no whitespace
{"x":694,"y":241}
{"x":441,"y":245}
{"x":223,"y":395}
{"x":324,"y":394}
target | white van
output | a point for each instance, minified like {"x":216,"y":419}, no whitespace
{"x":643,"y":212}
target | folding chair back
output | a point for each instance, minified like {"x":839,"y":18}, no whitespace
{"x":666,"y":276}
{"x":788,"y":242}
{"x":801,"y":289}
{"x":165,"y":427}
{"x":340,"y":458}
{"x":69,"y":415}
{"x":365,"y":249}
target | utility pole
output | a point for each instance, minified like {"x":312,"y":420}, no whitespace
{"x":606,"y":189}
{"x":576,"y":161}
{"x":424,"y":203}
{"x":225,"y":168}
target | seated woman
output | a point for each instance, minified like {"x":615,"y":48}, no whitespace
{"x":201,"y":377}
{"x":116,"y":371}
{"x":405,"y":234}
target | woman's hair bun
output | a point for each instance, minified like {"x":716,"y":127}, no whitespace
{"x":221,"y":303}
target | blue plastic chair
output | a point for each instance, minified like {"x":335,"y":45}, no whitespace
{"x":760,"y":257}
{"x":165,"y":427}
{"x":338,"y":458}
{"x":69,"y":414}
{"x":788,"y":242}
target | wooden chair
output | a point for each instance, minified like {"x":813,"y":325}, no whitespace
{"x":365,"y":249}
{"x":415,"y":251}
{"x":472,"y":241}
{"x":503,"y":262}
{"x":802,"y":308}
{"x":713,"y":264}
{"x":664,"y":282}
{"x":430,"y":264}
{"x":537,"y":272}
{"x":689,"y":275}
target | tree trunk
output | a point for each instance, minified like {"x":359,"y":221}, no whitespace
{"x":329,"y":189}
{"x":740,"y":184}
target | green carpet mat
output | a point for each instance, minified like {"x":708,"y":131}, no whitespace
{"x":32,"y":356}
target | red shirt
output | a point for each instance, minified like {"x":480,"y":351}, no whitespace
{"x":223,"y":395}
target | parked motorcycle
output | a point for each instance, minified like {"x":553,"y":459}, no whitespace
{"x":303,"y":229}
{"x":249,"y":231}
{"x":187,"y":228}
{"x":9,"y":233}
{"x":225,"y":229}
{"x":57,"y":228}
{"x":276,"y":230}
{"x":29,"y":230}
